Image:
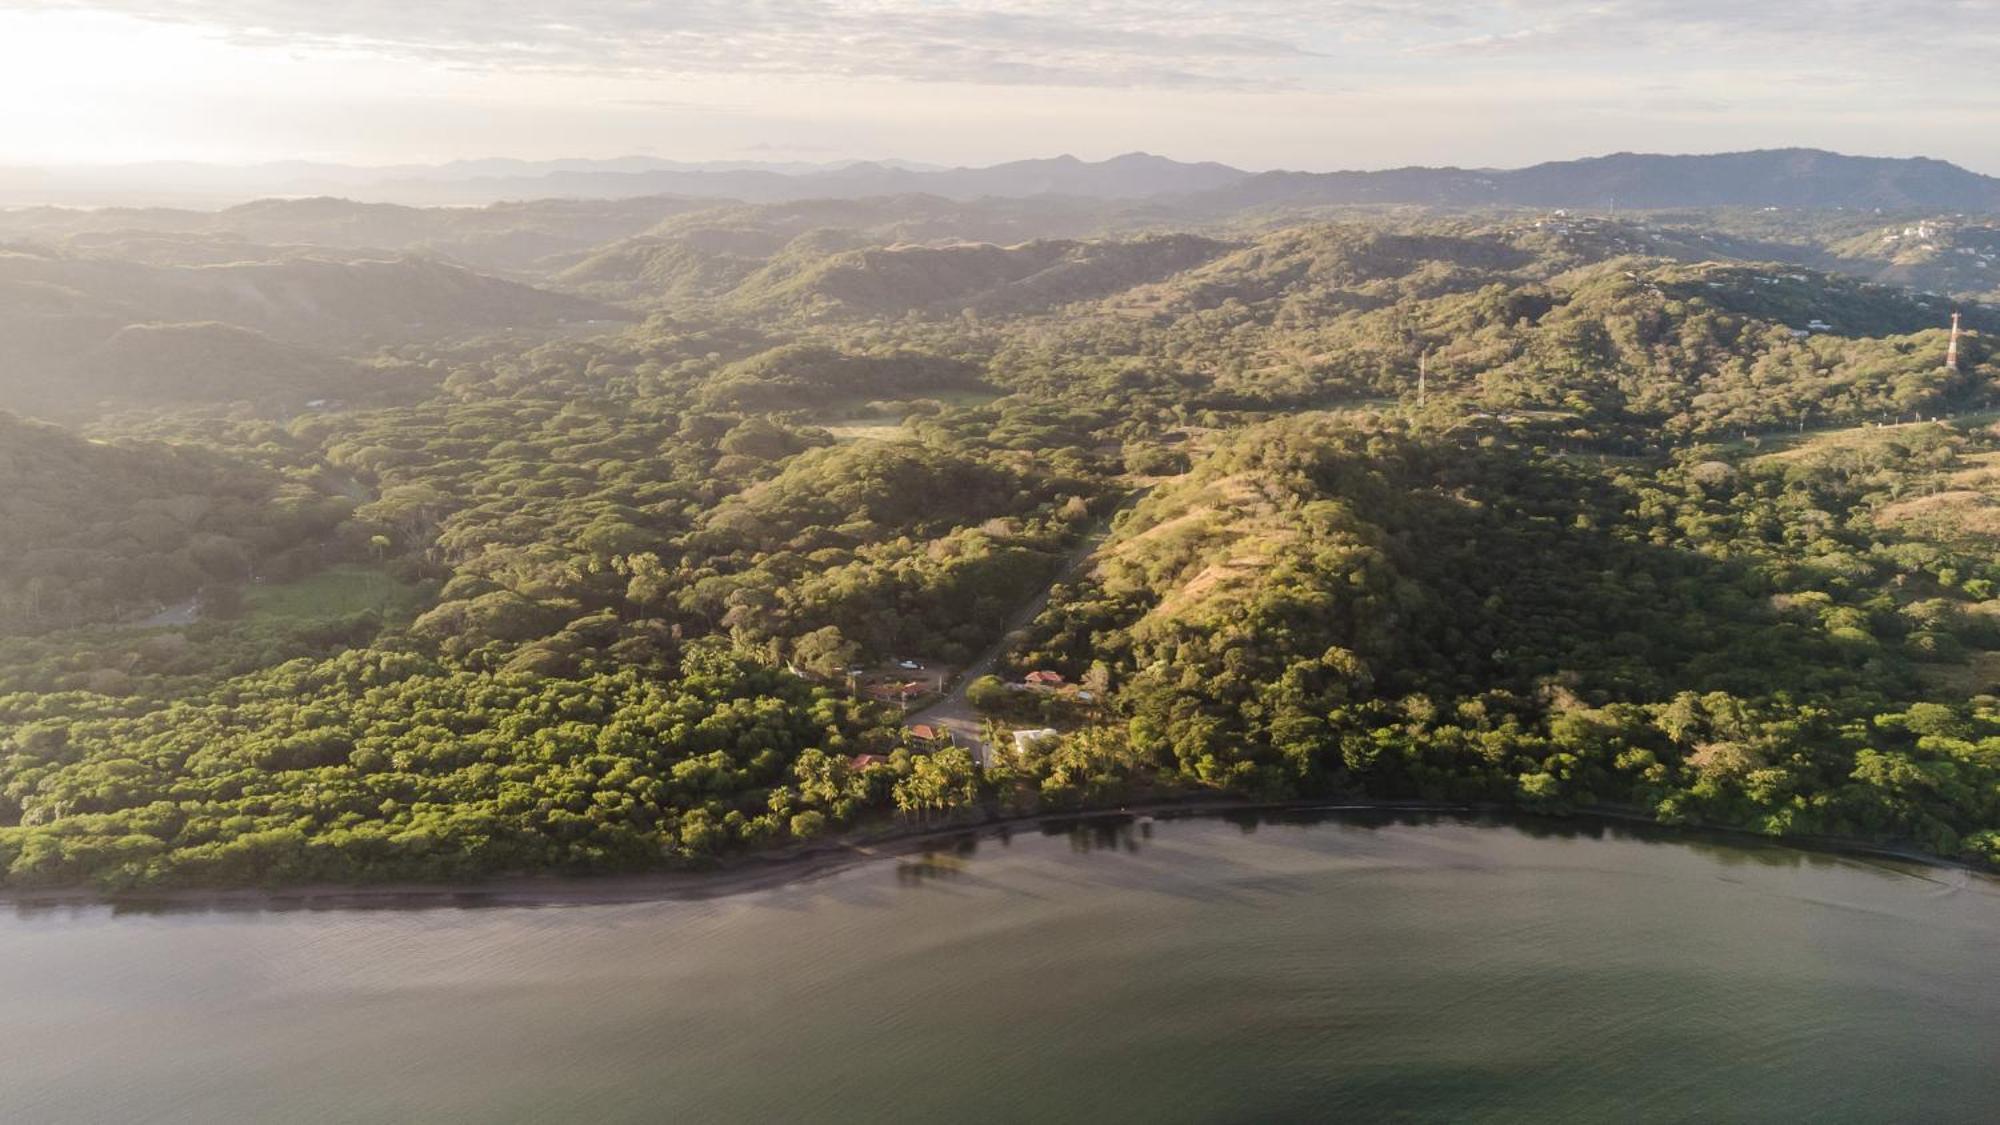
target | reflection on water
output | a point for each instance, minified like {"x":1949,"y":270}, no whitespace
{"x":1254,"y":966}
{"x":1120,"y":832}
{"x":939,"y":858}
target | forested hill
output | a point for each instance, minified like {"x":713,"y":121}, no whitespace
{"x":86,"y":331}
{"x":500,"y":237}
{"x":983,"y":278}
{"x":1548,"y":510}
{"x":333,"y":301}
{"x":95,"y":532}
{"x":922,"y":252}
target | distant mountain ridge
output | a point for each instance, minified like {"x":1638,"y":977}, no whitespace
{"x":1792,"y":177}
{"x":1809,"y":178}
{"x":1135,"y":175}
{"x":172,"y":183}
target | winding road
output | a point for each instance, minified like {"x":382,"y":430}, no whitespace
{"x":954,"y":712}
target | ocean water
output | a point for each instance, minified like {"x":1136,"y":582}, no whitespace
{"x":1339,"y":967}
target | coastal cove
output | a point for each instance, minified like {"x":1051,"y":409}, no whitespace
{"x":1243,"y":964}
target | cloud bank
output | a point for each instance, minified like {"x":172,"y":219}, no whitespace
{"x":1256,"y":44}
{"x":1302,"y":83}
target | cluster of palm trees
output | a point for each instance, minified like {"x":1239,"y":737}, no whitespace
{"x":939,"y":785}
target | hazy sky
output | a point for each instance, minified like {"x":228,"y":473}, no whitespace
{"x":1259,"y":83}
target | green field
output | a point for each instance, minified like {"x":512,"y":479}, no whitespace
{"x":853,"y":422}
{"x":879,"y":428}
{"x":336,"y":591}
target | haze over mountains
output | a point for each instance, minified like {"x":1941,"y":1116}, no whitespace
{"x":1773,"y":178}
{"x":275,"y":301}
{"x":1767,"y":178}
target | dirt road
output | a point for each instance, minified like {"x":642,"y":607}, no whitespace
{"x":954,"y":712}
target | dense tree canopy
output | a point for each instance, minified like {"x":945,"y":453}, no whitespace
{"x":1661,"y":529}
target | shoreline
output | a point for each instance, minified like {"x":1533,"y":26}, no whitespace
{"x":807,"y":863}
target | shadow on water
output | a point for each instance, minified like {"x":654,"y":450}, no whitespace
{"x":1086,"y":833}
{"x":1737,"y":849}
{"x":1727,"y":847}
{"x":942,"y":862}
{"x":1217,"y":879}
{"x":946,"y":862}
{"x":1107,"y":832}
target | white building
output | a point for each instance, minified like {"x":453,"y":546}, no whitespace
{"x":1026,"y":739}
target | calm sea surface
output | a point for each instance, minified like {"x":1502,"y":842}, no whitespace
{"x":1350,"y":968}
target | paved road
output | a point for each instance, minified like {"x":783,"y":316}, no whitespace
{"x":954,"y":712}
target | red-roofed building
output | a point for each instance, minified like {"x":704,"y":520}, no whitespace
{"x":863,"y":761}
{"x":1043,"y":679}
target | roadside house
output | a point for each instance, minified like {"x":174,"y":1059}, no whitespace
{"x":897,"y":693}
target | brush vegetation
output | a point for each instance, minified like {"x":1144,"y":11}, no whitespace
{"x":343,"y":565}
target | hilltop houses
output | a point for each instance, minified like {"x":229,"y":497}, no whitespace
{"x":896,"y":692}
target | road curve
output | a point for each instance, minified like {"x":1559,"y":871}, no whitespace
{"x":954,"y":711}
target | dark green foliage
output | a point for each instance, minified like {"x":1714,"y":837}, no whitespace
{"x":1354,"y":606}
{"x":94,"y":532}
{"x":609,"y":585}
{"x":389,"y":765}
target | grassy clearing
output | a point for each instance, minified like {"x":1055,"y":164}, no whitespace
{"x":880,"y":428}
{"x":850,"y":422}
{"x":1778,"y":447}
{"x":877,"y":417}
{"x":337,"y":591}
{"x":1978,"y":674}
{"x":966,"y":397}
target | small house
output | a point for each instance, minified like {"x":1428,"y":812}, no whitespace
{"x":863,"y":761}
{"x":897,"y":693}
{"x":924,"y":732}
{"x":1047,"y":681}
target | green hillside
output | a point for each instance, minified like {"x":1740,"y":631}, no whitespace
{"x":1663,"y":514}
{"x":97,"y":532}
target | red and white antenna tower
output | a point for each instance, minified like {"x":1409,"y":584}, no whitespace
{"x":1951,"y":353}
